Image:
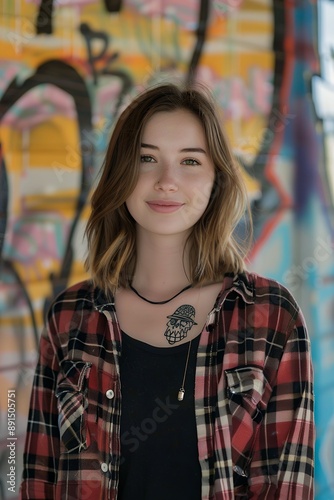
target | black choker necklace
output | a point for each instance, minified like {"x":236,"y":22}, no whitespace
{"x":163,"y":301}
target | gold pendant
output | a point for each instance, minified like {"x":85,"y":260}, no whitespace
{"x":180,"y":395}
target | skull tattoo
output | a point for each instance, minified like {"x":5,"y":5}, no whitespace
{"x":180,"y":322}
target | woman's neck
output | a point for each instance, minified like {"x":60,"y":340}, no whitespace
{"x":161,"y":267}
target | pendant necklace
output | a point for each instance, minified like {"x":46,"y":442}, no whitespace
{"x":185,"y":313}
{"x":180,"y":394}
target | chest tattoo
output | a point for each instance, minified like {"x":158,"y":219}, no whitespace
{"x":180,"y":322}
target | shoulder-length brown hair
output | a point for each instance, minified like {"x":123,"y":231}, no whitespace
{"x":111,"y":230}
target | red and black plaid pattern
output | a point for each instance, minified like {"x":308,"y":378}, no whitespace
{"x":253,"y":398}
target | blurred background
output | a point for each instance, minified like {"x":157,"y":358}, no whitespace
{"x":67,"y":68}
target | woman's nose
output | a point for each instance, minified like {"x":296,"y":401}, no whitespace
{"x":166,"y":180}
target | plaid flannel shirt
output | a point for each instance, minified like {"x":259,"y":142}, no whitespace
{"x":253,"y":398}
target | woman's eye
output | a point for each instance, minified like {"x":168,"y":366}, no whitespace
{"x":191,"y":161}
{"x":146,"y":159}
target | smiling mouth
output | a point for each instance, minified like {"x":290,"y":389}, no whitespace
{"x":164,"y":206}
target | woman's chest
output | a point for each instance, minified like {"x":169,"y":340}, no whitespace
{"x":164,"y":325}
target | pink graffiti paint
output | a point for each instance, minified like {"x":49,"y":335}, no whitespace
{"x":38,"y":106}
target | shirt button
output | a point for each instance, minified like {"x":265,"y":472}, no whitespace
{"x":104,"y":467}
{"x":110,"y":394}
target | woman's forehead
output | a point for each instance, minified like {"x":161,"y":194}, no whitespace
{"x":179,"y":125}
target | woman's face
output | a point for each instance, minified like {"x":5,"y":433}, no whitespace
{"x":176,"y":174}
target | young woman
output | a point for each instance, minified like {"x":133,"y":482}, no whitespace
{"x":173,"y":373}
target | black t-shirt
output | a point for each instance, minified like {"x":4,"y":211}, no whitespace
{"x":159,"y":455}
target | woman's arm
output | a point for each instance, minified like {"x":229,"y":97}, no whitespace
{"x":41,"y":455}
{"x":282,"y":462}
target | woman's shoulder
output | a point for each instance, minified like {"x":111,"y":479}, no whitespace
{"x":70,"y":297}
{"x":265,"y":286}
{"x":272,"y":295}
{"x":78,"y":290}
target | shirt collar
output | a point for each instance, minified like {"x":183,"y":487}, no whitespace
{"x":241,"y":283}
{"x":101,"y":301}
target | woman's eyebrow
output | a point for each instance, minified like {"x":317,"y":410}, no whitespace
{"x":193,"y":150}
{"x":183,"y":150}
{"x":143,"y":145}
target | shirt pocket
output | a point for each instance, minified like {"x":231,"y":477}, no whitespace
{"x":247,"y":394}
{"x":72,"y":402}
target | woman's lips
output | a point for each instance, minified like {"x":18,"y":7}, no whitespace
{"x":164,"y":207}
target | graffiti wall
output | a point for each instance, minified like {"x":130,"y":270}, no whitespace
{"x":67,"y":68}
